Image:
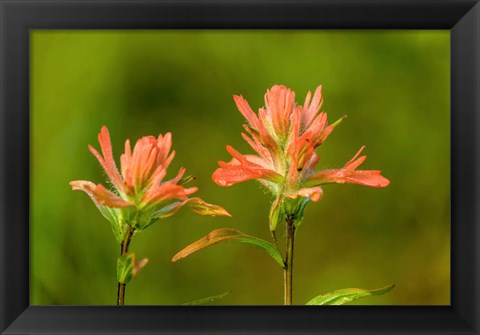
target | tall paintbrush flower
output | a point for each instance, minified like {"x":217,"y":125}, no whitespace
{"x":139,"y":194}
{"x":284,"y":136}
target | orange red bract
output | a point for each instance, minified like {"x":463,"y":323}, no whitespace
{"x":141,"y":184}
{"x":141,"y":181}
{"x":284,"y":136}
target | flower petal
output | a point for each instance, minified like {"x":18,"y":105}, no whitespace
{"x":241,"y":168}
{"x":354,"y":162}
{"x":260,"y":149}
{"x":143,"y":162}
{"x":371,"y":178}
{"x":164,"y":144}
{"x":85,"y":186}
{"x":314,"y":193}
{"x":107,"y":161}
{"x":310,"y":110}
{"x":125,"y":163}
{"x":99,"y":194}
{"x":167,"y":191}
{"x":323,"y":131}
{"x":246,"y":111}
{"x":349,"y":174}
{"x":232,"y":175}
{"x":280,"y":103}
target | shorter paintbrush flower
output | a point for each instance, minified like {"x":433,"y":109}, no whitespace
{"x":140,"y":194}
{"x":284,"y":136}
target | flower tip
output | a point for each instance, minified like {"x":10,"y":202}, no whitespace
{"x":139,"y":266}
{"x":279,"y":87}
{"x":225,"y":213}
{"x":376,"y":181}
{"x":384,"y":183}
{"x":191,"y":190}
{"x":240,"y":102}
{"x":215,"y":210}
{"x":235,"y":154}
{"x":358,"y":154}
{"x":81,"y":185}
{"x":95,"y":153}
{"x":336,"y":123}
{"x":104,"y":133}
{"x":217,"y":180}
{"x":178,"y":256}
{"x":74,"y":185}
{"x":143,"y":262}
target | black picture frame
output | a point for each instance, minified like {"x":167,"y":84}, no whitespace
{"x":461,"y":17}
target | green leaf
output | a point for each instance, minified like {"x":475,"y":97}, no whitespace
{"x":112,"y":216}
{"x":336,"y":123}
{"x":276,"y":213}
{"x":300,"y":211}
{"x":168,"y":210}
{"x":125,"y":266}
{"x":229,"y":235}
{"x":340,"y":297}
{"x":197,"y":205}
{"x":201,"y":207}
{"x":145,"y":226}
{"x":186,"y":180}
{"x":204,"y":301}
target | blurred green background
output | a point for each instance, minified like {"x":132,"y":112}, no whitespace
{"x":393,"y":85}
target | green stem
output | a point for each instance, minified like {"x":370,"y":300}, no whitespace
{"x":288,"y":271}
{"x":123,"y":251}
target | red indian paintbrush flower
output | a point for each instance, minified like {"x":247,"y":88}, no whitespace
{"x":140,"y":194}
{"x":284,"y":136}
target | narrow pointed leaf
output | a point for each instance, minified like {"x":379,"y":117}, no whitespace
{"x":201,"y":207}
{"x":197,"y":205}
{"x":168,"y":210}
{"x":186,"y":180}
{"x":336,"y":123}
{"x":112,"y":216}
{"x":145,"y":226}
{"x":229,"y":235}
{"x":276,"y":213}
{"x":204,"y":301}
{"x":128,"y":268}
{"x":300,"y":212}
{"x":125,"y":268}
{"x":340,"y":297}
